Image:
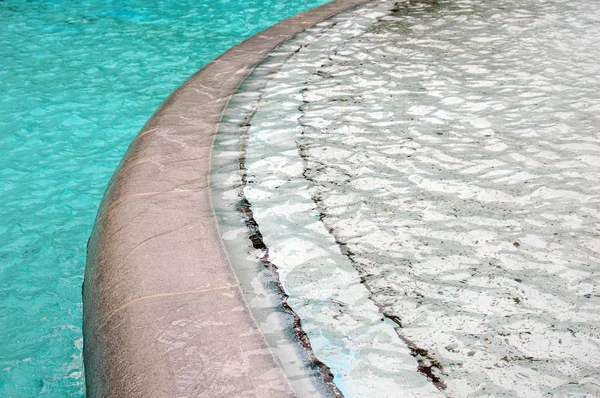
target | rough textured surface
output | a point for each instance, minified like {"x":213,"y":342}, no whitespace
{"x":346,"y":329}
{"x":451,"y":152}
{"x":163,"y":312}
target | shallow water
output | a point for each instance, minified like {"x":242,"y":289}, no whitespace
{"x":449,"y":154}
{"x":77,"y":81}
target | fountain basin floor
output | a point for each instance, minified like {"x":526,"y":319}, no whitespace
{"x":425,"y":179}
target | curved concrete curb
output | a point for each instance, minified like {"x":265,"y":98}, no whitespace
{"x":163,"y":312}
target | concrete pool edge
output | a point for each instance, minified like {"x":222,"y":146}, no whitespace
{"x":163,"y":311}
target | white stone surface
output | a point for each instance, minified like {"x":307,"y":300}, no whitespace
{"x":453,"y":150}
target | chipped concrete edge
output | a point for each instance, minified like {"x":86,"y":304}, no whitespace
{"x":163,"y":313}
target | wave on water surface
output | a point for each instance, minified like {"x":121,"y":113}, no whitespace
{"x":438,"y":164}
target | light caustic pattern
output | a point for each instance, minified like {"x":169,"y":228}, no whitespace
{"x":77,"y":82}
{"x":453,"y":152}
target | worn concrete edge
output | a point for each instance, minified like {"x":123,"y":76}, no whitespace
{"x":163,"y":313}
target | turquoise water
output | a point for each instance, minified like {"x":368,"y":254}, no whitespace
{"x":77,"y":82}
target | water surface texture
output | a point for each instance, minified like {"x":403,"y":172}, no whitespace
{"x":450,"y":153}
{"x":77,"y":81}
{"x":345,"y":328}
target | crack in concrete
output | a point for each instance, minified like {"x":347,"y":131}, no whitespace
{"x":245,"y":208}
{"x":426,"y":363}
{"x":169,"y":294}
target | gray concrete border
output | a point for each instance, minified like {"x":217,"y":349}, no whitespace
{"x":163,"y":314}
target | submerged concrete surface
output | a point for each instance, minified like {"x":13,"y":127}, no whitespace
{"x":260,"y":130}
{"x":451,"y":152}
{"x":163,"y":312}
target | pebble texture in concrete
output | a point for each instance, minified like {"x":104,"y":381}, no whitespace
{"x":163,"y":312}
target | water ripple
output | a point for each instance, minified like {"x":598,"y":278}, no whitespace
{"x":454,"y":148}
